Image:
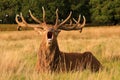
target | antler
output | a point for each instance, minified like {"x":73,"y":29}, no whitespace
{"x":34,"y":18}
{"x":57,"y":17}
{"x":35,"y":26}
{"x":68,"y":27}
{"x":60,"y":26}
{"x":25,"y":24}
{"x":63,"y":22}
{"x":37,"y":20}
{"x":76,"y":26}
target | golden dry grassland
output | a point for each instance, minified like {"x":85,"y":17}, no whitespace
{"x":18,"y":53}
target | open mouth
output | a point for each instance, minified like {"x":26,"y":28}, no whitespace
{"x":49,"y":35}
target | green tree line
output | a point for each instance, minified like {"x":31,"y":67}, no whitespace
{"x":106,"y":12}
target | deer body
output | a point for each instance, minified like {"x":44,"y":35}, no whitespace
{"x":49,"y":57}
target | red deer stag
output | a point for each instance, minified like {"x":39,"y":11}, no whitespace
{"x":49,"y":57}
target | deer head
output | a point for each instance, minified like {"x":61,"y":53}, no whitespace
{"x":50,"y":32}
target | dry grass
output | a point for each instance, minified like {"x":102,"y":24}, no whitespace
{"x":18,"y":53}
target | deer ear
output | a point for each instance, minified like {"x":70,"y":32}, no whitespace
{"x":57,"y":32}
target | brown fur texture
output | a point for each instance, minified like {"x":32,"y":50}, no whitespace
{"x":51,"y":59}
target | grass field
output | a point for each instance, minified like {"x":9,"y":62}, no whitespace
{"x":18,"y":53}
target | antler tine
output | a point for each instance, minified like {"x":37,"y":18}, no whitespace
{"x":23,"y":19}
{"x":56,"y":18}
{"x":78,"y":19}
{"x":84,"y":21}
{"x":43,"y":14}
{"x":65,"y":19}
{"x":76,"y":26}
{"x":19,"y":23}
{"x":78,"y":22}
{"x":25,"y":24}
{"x":16,"y":18}
{"x":34,"y":18}
{"x":70,"y":22}
{"x":81,"y":26}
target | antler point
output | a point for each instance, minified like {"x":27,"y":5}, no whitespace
{"x":17,"y":15}
{"x":29,"y":10}
{"x":42,"y":7}
{"x":20,"y":13}
{"x":57,"y":9}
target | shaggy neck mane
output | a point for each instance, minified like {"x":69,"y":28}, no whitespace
{"x":48,"y":56}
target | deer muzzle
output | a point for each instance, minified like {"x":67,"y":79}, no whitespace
{"x":50,"y":37}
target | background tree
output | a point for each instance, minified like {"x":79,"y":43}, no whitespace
{"x":106,"y":12}
{"x":80,"y":7}
{"x":8,"y":10}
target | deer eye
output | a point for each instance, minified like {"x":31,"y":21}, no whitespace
{"x":40,"y":28}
